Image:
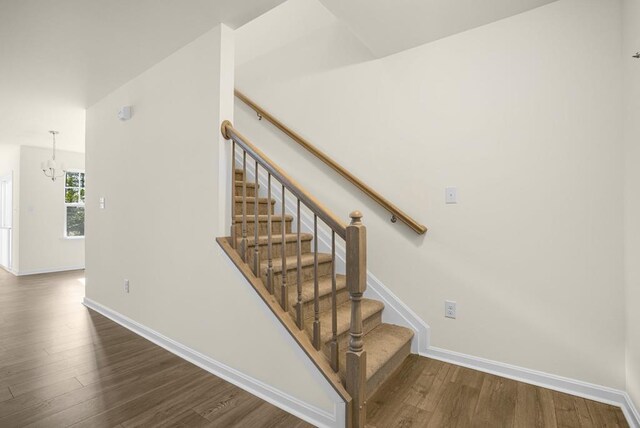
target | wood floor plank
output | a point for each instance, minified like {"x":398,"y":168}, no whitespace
{"x":219,"y":403}
{"x":5,"y":394}
{"x":425,"y":381}
{"x":583,"y":413}
{"x":534,"y":407}
{"x":38,"y":396}
{"x":496,"y":403}
{"x":434,"y":394}
{"x":187,"y":419}
{"x":606,"y":416}
{"x":15,"y":356}
{"x":468,"y":377}
{"x":439,"y":394}
{"x":116,"y":414}
{"x":120,"y":366}
{"x":566,"y":414}
{"x":282,"y":420}
{"x":395,"y":392}
{"x":405,"y":416}
{"x":109,"y":392}
{"x":456,"y":408}
{"x":238,"y":410}
{"x":47,"y":379}
{"x":255,"y":417}
{"x":26,"y":380}
{"x":166,"y":409}
{"x":62,"y":364}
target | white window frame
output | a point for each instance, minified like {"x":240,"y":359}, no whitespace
{"x":72,"y":204}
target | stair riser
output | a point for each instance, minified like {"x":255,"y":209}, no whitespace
{"x":276,"y":228}
{"x":263,"y":208}
{"x":343,"y":339}
{"x":239,"y":175}
{"x":292,"y":273}
{"x":251,"y":191}
{"x":386,"y":371}
{"x":325,"y":304}
{"x":276,"y":250}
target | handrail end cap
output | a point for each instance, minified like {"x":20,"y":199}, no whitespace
{"x":223,"y":129}
{"x":356,"y":217}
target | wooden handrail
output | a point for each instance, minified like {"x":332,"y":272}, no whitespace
{"x":229,"y":132}
{"x":386,"y":204}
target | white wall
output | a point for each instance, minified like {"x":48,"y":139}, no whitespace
{"x":161,"y":174}
{"x":524,"y":117}
{"x":631,"y":34}
{"x":43,"y":246}
{"x":10,"y":164}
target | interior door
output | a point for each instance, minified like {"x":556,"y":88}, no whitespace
{"x":6,"y":211}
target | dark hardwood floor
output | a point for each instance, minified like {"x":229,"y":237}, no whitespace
{"x":64,"y":365}
{"x":431,"y":393}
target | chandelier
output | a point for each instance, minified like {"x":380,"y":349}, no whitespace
{"x":50,"y":168}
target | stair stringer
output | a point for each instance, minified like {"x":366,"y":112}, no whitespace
{"x":304,"y":410}
{"x":395,"y":310}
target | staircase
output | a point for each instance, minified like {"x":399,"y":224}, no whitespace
{"x":325,"y":311}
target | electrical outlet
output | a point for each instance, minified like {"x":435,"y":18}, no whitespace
{"x":450,"y":309}
{"x":126,"y":286}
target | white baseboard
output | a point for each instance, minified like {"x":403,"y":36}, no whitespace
{"x":395,"y":312}
{"x":587,"y":390}
{"x":47,"y":270}
{"x":286,"y":402}
{"x":11,"y":271}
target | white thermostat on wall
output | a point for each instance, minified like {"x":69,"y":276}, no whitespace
{"x":124,"y":113}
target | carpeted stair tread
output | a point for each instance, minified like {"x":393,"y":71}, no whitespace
{"x":249,"y":184}
{"x":277,"y":238}
{"x":381,"y":345}
{"x":251,"y":199}
{"x":292,"y":262}
{"x":324,"y":288}
{"x":263,"y":218}
{"x":369,"y":308}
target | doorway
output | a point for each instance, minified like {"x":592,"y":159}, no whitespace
{"x":6,"y":214}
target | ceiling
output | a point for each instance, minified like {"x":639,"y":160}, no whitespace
{"x":388,"y":27}
{"x":59,"y":57}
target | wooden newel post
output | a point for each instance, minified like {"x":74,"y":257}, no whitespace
{"x":356,"y":239}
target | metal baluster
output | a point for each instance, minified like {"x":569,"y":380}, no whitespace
{"x":284,"y":293}
{"x":244,"y":206}
{"x":233,"y":195}
{"x":269,"y":231}
{"x":316,"y":290}
{"x":256,"y":247}
{"x":299,"y":309}
{"x":335,"y":365}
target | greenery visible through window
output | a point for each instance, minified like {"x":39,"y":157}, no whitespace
{"x":74,"y":203}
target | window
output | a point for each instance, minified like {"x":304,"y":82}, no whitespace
{"x":74,"y":204}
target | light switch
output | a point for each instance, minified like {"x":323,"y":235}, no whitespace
{"x":451,"y":195}
{"x":101,"y":202}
